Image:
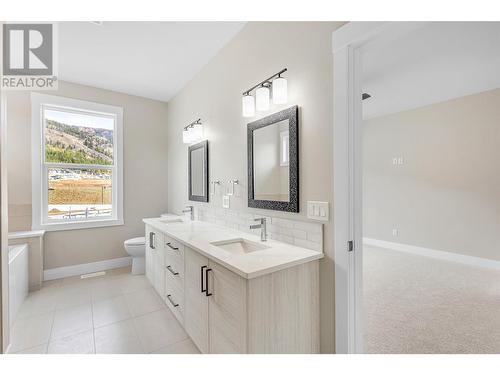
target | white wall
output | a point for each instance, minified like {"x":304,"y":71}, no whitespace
{"x":446,"y":195}
{"x":258,"y":51}
{"x":145,"y":174}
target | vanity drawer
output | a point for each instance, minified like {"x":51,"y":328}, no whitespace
{"x":174,"y":271}
{"x":174,"y":248}
{"x":174,"y":299}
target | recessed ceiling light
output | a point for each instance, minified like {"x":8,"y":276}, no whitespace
{"x":98,"y":23}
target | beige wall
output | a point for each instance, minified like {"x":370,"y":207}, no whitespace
{"x":145,"y":174}
{"x":446,"y":195}
{"x":258,"y":51}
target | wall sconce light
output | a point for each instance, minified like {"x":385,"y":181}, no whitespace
{"x":262,"y":94}
{"x":262,"y":98}
{"x":193,"y":132}
{"x":280,"y":90}
{"x":248,"y":102}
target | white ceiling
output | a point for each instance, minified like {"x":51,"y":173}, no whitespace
{"x":150,"y":59}
{"x":436,"y":62}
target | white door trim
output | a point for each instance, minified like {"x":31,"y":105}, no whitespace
{"x":347,"y":43}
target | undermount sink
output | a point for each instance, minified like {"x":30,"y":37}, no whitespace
{"x":239,"y":246}
{"x":170,"y":220}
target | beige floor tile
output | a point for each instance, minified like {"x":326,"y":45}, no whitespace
{"x":71,"y":321}
{"x":110,"y":311}
{"x":143,"y":301}
{"x":105,"y":289}
{"x":183,"y":347}
{"x":38,"y":303}
{"x":81,"y":343}
{"x":40,"y":349}
{"x":134,"y":283}
{"x":30,"y":332}
{"x":159,"y":329}
{"x":74,"y":294}
{"x":118,"y":338}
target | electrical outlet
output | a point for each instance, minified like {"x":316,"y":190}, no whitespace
{"x":395,"y":232}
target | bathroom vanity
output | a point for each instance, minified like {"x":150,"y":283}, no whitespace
{"x":231,"y":292}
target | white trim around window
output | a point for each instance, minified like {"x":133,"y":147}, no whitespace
{"x":39,"y":166}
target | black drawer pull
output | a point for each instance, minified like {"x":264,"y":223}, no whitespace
{"x":172,"y":271}
{"x":203,"y":290}
{"x":206,"y":278}
{"x":169,"y":297}
{"x":170,"y":245}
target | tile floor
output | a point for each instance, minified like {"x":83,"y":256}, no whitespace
{"x":116,"y":313}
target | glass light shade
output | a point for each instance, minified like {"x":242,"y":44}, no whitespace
{"x":262,"y":98}
{"x":248,"y":104}
{"x":186,"y":135}
{"x":280,"y":91}
{"x":196,"y":133}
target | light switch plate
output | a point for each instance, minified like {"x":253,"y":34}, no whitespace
{"x":318,"y":210}
{"x":225,"y":201}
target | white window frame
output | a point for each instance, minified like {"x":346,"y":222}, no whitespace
{"x":39,"y":167}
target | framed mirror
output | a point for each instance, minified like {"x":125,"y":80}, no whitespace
{"x":273,"y":161}
{"x":198,"y":172}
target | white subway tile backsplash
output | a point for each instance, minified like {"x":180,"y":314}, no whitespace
{"x":299,"y":233}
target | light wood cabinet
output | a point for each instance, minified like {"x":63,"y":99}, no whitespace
{"x":155,"y":260}
{"x":223,"y":312}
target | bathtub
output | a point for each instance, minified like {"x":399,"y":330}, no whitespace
{"x":18,"y":278}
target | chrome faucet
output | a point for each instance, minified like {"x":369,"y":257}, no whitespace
{"x":191,"y":210}
{"x":262,"y":226}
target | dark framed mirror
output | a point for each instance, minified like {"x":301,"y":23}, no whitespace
{"x":273,"y":161}
{"x":198,"y":172}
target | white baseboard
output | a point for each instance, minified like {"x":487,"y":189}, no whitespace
{"x":82,"y":269}
{"x":436,"y":254}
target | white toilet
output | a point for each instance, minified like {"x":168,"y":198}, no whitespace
{"x":136,"y":247}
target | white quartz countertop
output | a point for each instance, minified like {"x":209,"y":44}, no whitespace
{"x":199,"y":235}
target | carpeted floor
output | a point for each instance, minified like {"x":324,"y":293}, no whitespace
{"x":416,"y":304}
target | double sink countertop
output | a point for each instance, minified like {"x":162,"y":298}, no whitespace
{"x":200,"y":236}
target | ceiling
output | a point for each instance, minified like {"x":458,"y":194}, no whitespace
{"x":149,"y":59}
{"x":436,"y":62}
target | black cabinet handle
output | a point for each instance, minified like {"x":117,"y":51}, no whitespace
{"x":206,"y":283}
{"x":203,"y":290}
{"x":170,"y":245}
{"x":172,"y":271}
{"x":169,"y":297}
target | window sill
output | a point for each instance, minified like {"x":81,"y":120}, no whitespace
{"x":53,"y":227}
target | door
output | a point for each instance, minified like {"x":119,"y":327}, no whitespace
{"x":159,"y":265}
{"x":227,"y":310}
{"x":196,"y":299}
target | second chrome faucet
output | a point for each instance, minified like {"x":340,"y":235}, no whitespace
{"x":262,"y":226}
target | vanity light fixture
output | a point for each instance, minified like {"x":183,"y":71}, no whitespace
{"x":193,"y":132}
{"x":279,"y":87}
{"x":248,"y":102}
{"x":262,"y":97}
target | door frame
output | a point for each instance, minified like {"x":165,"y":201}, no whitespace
{"x":347,"y":44}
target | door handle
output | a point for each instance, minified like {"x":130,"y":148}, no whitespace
{"x":203,"y":290}
{"x":172,"y":271}
{"x":206,"y":282}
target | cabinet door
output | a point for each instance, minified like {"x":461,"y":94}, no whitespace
{"x":150,"y":253}
{"x":159,"y":267}
{"x":196,"y":302}
{"x":227,"y":310}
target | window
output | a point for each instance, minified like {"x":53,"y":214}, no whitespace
{"x":76,"y":163}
